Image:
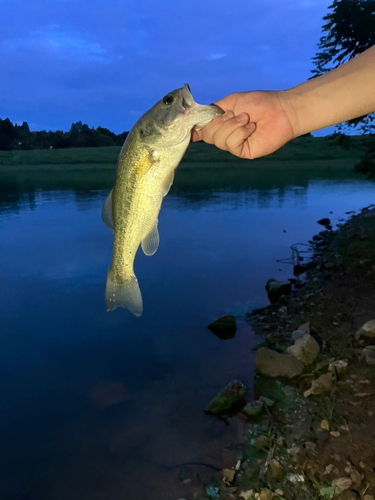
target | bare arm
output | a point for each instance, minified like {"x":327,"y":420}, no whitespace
{"x":258,"y":123}
{"x":342,"y":94}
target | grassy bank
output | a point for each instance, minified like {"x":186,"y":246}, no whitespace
{"x":319,"y":150}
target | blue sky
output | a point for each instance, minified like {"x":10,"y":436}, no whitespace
{"x":106,"y":62}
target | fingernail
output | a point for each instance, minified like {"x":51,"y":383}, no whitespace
{"x":226,"y":116}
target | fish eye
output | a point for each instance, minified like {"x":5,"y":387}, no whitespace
{"x":168,"y":99}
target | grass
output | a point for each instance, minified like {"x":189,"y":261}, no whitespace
{"x":322,"y":151}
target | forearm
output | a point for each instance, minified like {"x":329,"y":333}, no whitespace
{"x":342,"y":94}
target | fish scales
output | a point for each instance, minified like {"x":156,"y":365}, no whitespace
{"x":153,"y":149}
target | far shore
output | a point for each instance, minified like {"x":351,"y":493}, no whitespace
{"x":303,"y":152}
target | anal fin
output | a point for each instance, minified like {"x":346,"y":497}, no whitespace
{"x":151,"y":242}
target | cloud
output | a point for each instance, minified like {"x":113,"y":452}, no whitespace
{"x":60,"y":43}
{"x":218,"y":55}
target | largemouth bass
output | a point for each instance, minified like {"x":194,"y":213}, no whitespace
{"x":152,"y":151}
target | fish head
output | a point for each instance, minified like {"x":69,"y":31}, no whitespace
{"x":172,"y":119}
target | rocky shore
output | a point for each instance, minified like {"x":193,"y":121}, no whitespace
{"x":311,"y":433}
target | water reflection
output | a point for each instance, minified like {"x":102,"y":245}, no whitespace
{"x":221,"y":234}
{"x":191,"y":186}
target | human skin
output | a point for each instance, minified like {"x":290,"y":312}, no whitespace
{"x":258,"y":123}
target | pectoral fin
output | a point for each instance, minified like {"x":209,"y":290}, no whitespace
{"x":107,"y":217}
{"x":151,"y":242}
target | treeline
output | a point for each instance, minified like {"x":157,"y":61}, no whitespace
{"x":79,"y":136}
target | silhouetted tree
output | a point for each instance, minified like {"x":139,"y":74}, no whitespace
{"x":349,"y":31}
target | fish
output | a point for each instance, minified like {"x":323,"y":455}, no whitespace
{"x":145,"y":171}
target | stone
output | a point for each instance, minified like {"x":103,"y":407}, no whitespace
{"x":253,"y":409}
{"x":305,"y":327}
{"x":340,"y":366}
{"x":324,"y":424}
{"x":341,"y":484}
{"x":306,"y":349}
{"x":368,"y":354}
{"x":320,"y":385}
{"x":274,"y":364}
{"x":224,"y":328}
{"x":246,"y":495}
{"x":108,"y":393}
{"x":335,"y":434}
{"x":324,"y":222}
{"x":275,"y":471}
{"x":265,"y":494}
{"x":367,"y":331}
{"x":228,"y":475}
{"x":261,"y":442}
{"x":233,"y":393}
{"x":275,"y":289}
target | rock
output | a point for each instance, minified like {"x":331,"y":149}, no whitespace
{"x":228,"y":475}
{"x":224,"y":328}
{"x":253,"y":409}
{"x":324,"y":222}
{"x":305,"y":327}
{"x":275,"y":289}
{"x":306,"y":349}
{"x":274,"y":364}
{"x":320,"y":385}
{"x":233,"y":393}
{"x":297,"y":334}
{"x":368,"y":354}
{"x":324,"y":424}
{"x":342,"y":484}
{"x":335,"y":434}
{"x":349,"y":495}
{"x":340,"y":366}
{"x":368,"y":497}
{"x":275,"y":471}
{"x":367,"y":331}
{"x":265,"y":494}
{"x":108,"y":393}
{"x":261,"y":442}
{"x":246,"y":495}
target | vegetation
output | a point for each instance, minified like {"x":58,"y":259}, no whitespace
{"x":19,"y":137}
{"x":349,"y":30}
{"x":304,"y":149}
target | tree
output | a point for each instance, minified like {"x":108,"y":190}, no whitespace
{"x":349,"y":30}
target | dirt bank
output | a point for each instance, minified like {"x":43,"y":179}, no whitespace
{"x":316,"y":446}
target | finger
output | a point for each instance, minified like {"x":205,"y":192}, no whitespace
{"x":213,"y":126}
{"x":228,"y":128}
{"x":196,"y":135}
{"x":237,"y":142}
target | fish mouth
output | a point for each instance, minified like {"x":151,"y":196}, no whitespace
{"x":186,"y":100}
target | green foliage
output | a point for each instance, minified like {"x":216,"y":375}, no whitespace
{"x":19,"y":137}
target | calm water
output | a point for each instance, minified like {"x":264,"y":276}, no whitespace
{"x":221,"y":232}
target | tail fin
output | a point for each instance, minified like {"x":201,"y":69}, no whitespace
{"x":124,"y":293}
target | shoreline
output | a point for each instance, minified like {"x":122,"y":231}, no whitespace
{"x":315,"y":441}
{"x":234,"y":164}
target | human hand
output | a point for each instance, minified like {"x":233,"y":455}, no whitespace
{"x":254,"y":124}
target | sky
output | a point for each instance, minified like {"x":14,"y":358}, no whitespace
{"x":105,"y":62}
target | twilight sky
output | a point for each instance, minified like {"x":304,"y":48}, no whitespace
{"x":105,"y":62}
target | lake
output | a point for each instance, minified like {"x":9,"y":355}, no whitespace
{"x":99,"y":405}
